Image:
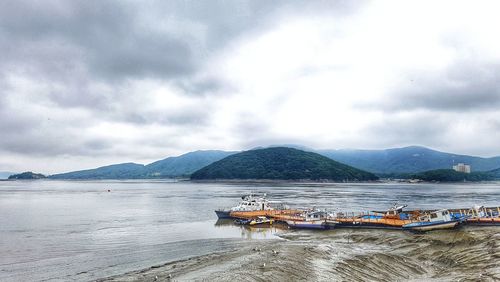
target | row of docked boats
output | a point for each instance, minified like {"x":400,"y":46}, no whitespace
{"x":258,"y":210}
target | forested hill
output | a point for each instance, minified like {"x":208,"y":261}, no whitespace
{"x":281,"y":163}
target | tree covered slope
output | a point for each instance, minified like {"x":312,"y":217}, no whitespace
{"x":281,"y":163}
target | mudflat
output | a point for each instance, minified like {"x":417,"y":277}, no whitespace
{"x":467,"y":254}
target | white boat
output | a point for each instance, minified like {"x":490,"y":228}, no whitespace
{"x":440,"y":219}
{"x":250,"y":202}
{"x":309,"y":220}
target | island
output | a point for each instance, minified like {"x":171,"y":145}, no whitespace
{"x":26,"y":175}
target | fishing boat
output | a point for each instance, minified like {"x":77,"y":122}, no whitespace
{"x":248,"y":203}
{"x":261,"y":220}
{"x":393,"y":218}
{"x":481,"y":215}
{"x":440,"y":219}
{"x":310,"y":220}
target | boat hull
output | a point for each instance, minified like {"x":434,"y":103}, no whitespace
{"x":306,"y":224}
{"x":366,"y":225}
{"x":267,"y":213}
{"x":371,"y":223}
{"x":429,"y":226}
{"x":221,"y":214}
{"x":483,"y":221}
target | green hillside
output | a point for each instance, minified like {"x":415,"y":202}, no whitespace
{"x":495,"y":173}
{"x":449,"y":175}
{"x":281,"y":163}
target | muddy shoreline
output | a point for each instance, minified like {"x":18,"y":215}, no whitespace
{"x":467,"y":254}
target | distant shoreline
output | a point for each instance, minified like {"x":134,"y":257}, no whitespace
{"x":255,"y":181}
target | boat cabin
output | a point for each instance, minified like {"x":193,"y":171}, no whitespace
{"x":252,"y":203}
{"x":316,"y":215}
{"x":440,"y":215}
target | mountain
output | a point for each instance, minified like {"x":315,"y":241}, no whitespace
{"x":495,"y":173}
{"x":6,"y":174}
{"x":116,"y":171}
{"x":185,"y":164}
{"x":449,"y":175}
{"x":389,"y":162}
{"x":280,"y":163}
{"x":26,"y":175}
{"x":182,"y":165}
{"x":407,"y":160}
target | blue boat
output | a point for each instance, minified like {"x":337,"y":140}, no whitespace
{"x":441,"y":219}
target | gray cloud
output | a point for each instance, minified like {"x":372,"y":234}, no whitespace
{"x":70,"y":70}
{"x":421,"y":128}
{"x":464,"y":86}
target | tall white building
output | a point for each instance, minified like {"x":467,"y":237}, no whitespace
{"x":460,"y":167}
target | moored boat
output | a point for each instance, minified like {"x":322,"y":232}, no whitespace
{"x":310,"y":220}
{"x":242,"y":221}
{"x":441,"y":219}
{"x":261,"y":220}
{"x":393,"y":218}
{"x":249,"y":203}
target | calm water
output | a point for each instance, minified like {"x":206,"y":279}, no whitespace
{"x":57,"y":230}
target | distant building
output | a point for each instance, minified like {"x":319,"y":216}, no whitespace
{"x":462,"y":168}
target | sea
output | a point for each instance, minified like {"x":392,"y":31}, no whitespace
{"x":86,"y":230}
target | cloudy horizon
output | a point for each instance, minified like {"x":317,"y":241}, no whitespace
{"x":90,"y":83}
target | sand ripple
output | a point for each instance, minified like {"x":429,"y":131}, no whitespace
{"x":469,"y":254}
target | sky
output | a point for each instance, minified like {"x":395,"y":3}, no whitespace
{"x":90,"y":83}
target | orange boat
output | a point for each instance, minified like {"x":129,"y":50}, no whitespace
{"x":276,"y":214}
{"x":394,"y":218}
{"x":252,"y":206}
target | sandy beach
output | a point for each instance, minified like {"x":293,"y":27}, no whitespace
{"x":469,"y":254}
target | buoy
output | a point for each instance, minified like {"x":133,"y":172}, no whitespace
{"x":109,"y":190}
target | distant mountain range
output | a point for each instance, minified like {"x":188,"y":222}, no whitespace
{"x":408,"y":160}
{"x":170,"y":167}
{"x":280,"y":163}
{"x":413,"y":159}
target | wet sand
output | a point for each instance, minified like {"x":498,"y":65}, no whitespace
{"x":467,"y":254}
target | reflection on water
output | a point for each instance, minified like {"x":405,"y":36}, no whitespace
{"x":78,"y":230}
{"x":265,"y":231}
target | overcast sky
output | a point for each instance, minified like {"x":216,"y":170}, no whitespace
{"x":90,"y":83}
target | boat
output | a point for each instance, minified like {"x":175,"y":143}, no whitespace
{"x":250,"y":202}
{"x":440,"y":219}
{"x":310,"y":220}
{"x":393,"y":218}
{"x":261,"y":220}
{"x":241,"y":221}
{"x":481,"y":215}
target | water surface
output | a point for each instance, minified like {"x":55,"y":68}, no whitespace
{"x":70,"y":230}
